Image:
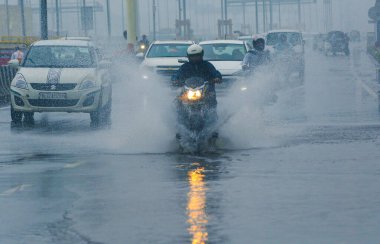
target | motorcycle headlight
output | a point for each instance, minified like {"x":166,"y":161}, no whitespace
{"x":194,"y":95}
{"x":142,"y":47}
{"x":87,"y":84}
{"x":20,"y":82}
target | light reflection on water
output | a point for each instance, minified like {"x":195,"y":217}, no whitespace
{"x":196,"y":206}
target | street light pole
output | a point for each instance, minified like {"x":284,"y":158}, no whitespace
{"x":22,"y":11}
{"x":44,"y":20}
{"x":186,"y":31}
{"x":84,"y":18}
{"x":299,"y":14}
{"x":57,"y":16}
{"x":180,"y":18}
{"x":154,"y":19}
{"x":257,"y":16}
{"x":264,"y":16}
{"x":108,"y":18}
{"x":270,"y":15}
{"x":7,"y":16}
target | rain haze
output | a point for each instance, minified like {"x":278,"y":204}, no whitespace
{"x":189,"y":121}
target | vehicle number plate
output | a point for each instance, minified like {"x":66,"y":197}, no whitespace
{"x":52,"y":95}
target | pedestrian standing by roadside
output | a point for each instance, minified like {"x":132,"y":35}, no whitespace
{"x":18,"y":54}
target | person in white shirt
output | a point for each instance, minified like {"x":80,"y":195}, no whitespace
{"x":18,"y":54}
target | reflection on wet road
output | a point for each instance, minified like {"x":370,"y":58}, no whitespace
{"x":196,"y":206}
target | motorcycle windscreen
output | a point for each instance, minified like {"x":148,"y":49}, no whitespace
{"x":194,"y":82}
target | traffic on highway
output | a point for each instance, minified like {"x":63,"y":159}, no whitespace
{"x":194,"y":136}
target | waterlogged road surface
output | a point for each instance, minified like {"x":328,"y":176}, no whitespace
{"x":309,"y":171}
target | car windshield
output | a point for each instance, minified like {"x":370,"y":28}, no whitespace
{"x":293,"y":38}
{"x":60,"y":57}
{"x":224,"y":52}
{"x":168,"y":50}
{"x":336,"y":35}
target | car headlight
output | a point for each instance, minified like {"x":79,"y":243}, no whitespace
{"x":20,"y":82}
{"x":87,"y":84}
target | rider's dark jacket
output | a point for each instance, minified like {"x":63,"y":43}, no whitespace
{"x":203,"y":69}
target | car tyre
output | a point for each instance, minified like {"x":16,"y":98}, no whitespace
{"x":29,"y":117}
{"x":102,"y":113}
{"x":16,"y":116}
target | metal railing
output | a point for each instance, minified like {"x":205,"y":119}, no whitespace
{"x":6,"y":76}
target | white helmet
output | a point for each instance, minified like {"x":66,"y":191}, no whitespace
{"x":194,"y":50}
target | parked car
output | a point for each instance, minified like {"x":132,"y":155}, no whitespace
{"x":226,"y":56}
{"x":163,"y":57}
{"x":61,"y":76}
{"x":337,"y":42}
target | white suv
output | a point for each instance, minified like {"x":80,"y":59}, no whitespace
{"x":61,"y":76}
{"x":162,"y":57}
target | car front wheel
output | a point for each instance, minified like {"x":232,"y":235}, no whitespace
{"x":15,"y":115}
{"x":102,"y":113}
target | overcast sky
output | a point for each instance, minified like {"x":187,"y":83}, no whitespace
{"x":347,"y":15}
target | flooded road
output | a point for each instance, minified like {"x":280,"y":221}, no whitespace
{"x":307,"y":172}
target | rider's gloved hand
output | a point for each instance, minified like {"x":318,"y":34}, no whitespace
{"x":217,"y":80}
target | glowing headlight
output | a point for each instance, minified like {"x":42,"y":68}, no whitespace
{"x":142,"y":47}
{"x":194,"y":95}
{"x":20,"y":82}
{"x":87,"y":84}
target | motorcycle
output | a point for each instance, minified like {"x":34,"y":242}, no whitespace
{"x":197,"y":118}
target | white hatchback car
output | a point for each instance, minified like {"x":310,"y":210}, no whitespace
{"x":162,"y":57}
{"x":61,"y":76}
{"x":226,"y":56}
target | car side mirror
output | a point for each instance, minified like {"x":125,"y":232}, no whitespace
{"x":140,"y":55}
{"x":14,"y":63}
{"x":182,"y":61}
{"x":104,"y":64}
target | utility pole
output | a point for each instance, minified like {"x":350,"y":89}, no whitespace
{"x":279,"y":15}
{"x":108,"y":18}
{"x":57,"y":16}
{"x":7,"y":17}
{"x":186,"y":31}
{"x":179,"y":18}
{"x":257,"y":16}
{"x":84,"y":18}
{"x":154,"y":19}
{"x":270,"y":15}
{"x":299,"y":14}
{"x":22,"y":12}
{"x":226,"y":16}
{"x":264,"y":16}
{"x":44,"y":20}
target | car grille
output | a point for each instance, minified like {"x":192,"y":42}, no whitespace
{"x":167,"y":70}
{"x":53,"y":87}
{"x":53,"y":103}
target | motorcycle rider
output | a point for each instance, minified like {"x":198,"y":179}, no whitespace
{"x":143,"y":44}
{"x":197,"y":67}
{"x":256,"y":57}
